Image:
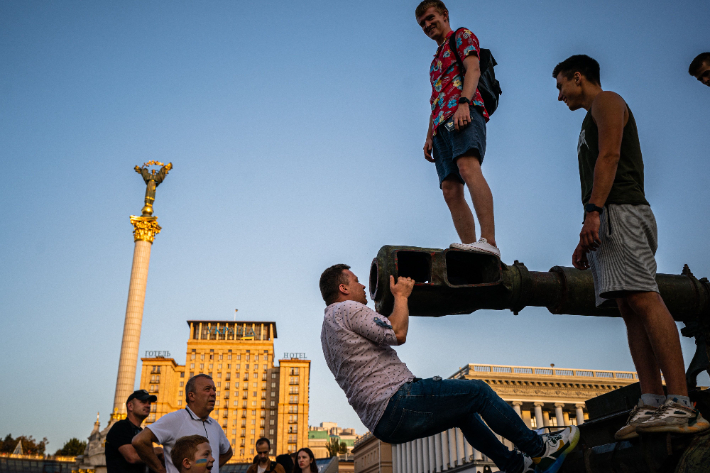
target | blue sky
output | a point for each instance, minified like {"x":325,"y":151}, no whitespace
{"x":295,"y":130}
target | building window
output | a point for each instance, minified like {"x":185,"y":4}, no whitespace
{"x":202,"y":366}
{"x":192,"y":357}
{"x":256,"y":358}
{"x":182,"y":383}
{"x":192,"y":373}
{"x":239,"y":357}
{"x":180,"y":393}
{"x":202,"y":357}
{"x":182,"y":375}
{"x":219,"y":366}
{"x":271,"y":432}
{"x":180,"y":402}
{"x":271,"y":422}
{"x":273,"y":375}
{"x":273,"y":403}
{"x":210,"y":363}
{"x":192,"y":366}
{"x":273,"y":393}
{"x":273,"y":385}
{"x":229,"y":357}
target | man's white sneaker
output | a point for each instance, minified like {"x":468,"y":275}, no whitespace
{"x":641,"y":413}
{"x":481,"y":246}
{"x":674,"y":417}
{"x":557,"y":446}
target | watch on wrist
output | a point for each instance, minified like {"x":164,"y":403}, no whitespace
{"x":593,"y":208}
{"x":464,"y":100}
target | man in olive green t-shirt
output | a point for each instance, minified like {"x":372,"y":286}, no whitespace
{"x":618,"y":243}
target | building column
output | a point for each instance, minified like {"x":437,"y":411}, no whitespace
{"x":516,"y":407}
{"x":420,"y":456}
{"x":558,"y":414}
{"x":580,"y":413}
{"x":425,"y":453}
{"x":432,"y":455}
{"x":444,"y":450}
{"x":467,"y":451}
{"x":460,"y":454}
{"x":408,"y":456}
{"x":437,"y":452}
{"x":144,"y":231}
{"x":477,"y":455}
{"x":538,"y":414}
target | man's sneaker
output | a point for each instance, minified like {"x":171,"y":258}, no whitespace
{"x":640,"y":413}
{"x":528,"y":464}
{"x":481,"y":246}
{"x":674,"y":417}
{"x":557,"y":446}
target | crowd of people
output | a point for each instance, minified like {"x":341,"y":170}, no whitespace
{"x":617,"y":243}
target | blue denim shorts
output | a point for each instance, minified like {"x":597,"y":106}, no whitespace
{"x":451,"y":145}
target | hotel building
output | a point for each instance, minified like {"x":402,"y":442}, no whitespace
{"x":255,"y":397}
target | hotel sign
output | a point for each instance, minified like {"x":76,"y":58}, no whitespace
{"x":157,"y":354}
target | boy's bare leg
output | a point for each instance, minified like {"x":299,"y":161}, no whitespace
{"x":470,"y":170}
{"x":460,"y":211}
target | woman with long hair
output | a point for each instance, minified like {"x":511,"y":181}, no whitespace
{"x":305,"y":462}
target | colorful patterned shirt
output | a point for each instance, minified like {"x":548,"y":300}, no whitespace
{"x":356,"y":343}
{"x":447,"y":80}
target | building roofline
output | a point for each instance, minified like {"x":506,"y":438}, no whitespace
{"x":256,"y":322}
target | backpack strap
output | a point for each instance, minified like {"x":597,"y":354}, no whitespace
{"x":454,"y":49}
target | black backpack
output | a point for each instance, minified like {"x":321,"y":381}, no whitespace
{"x":488,"y":86}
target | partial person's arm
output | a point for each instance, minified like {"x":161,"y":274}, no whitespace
{"x":472,"y":68}
{"x":609,"y":113}
{"x":129,"y":454}
{"x":399,"y":319}
{"x":143,"y":443}
{"x":224,"y":457}
{"x":429,"y":143}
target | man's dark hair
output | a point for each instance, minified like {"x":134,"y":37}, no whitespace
{"x":697,"y":63}
{"x":426,"y":4}
{"x":185,"y":447}
{"x":263,"y":440}
{"x":190,"y":386}
{"x":330,"y":281}
{"x":581,"y":63}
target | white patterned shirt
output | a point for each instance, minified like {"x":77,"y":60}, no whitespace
{"x":356,"y":343}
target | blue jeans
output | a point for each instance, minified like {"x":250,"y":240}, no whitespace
{"x":426,"y":407}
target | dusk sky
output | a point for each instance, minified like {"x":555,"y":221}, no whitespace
{"x":296,"y":131}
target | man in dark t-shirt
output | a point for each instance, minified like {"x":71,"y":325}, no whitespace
{"x":618,"y":243}
{"x":121,"y":457}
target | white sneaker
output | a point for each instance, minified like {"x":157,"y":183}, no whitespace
{"x":481,"y":246}
{"x":676,"y":418}
{"x":557,"y":446}
{"x":641,"y":413}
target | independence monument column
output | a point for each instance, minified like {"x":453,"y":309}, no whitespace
{"x":145,"y":228}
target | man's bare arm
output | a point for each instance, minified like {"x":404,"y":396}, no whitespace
{"x":129,"y":454}
{"x":400,"y":314}
{"x":609,"y":113}
{"x":224,"y":457}
{"x":143,"y":443}
{"x":429,"y":142}
{"x":472,"y":66}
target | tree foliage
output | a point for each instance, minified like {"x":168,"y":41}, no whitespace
{"x":72,"y":448}
{"x":30,"y":446}
{"x":335,"y":446}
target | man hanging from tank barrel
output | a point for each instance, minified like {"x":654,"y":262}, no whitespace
{"x":396,"y":406}
{"x":618,"y":243}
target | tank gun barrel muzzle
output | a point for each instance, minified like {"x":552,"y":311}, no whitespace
{"x":451,"y":281}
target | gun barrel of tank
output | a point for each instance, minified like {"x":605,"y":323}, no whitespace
{"x":452,"y":281}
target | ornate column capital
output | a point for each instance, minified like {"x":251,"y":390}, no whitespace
{"x":538,"y":404}
{"x":145,"y":228}
{"x":580,"y":405}
{"x":517,"y":403}
{"x":559,"y":404}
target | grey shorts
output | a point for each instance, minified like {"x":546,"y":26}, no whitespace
{"x":451,"y":145}
{"x":625,"y":261}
